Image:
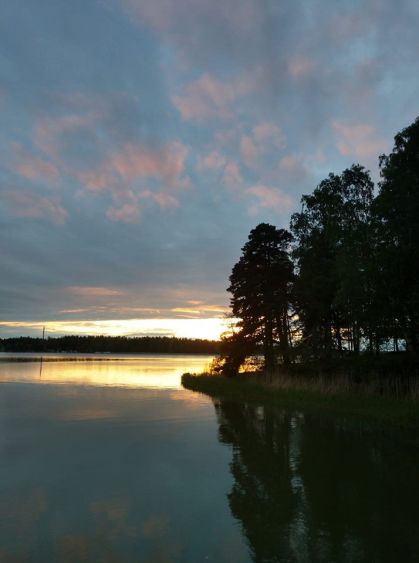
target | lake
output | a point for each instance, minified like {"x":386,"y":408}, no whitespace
{"x":109,"y":460}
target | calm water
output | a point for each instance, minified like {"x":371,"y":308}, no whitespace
{"x":111,"y":461}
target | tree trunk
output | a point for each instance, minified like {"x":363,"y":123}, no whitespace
{"x":355,"y":331}
{"x":338,"y":338}
{"x":282,"y":327}
{"x":268,"y":348}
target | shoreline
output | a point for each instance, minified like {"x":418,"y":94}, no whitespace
{"x":400,"y":413}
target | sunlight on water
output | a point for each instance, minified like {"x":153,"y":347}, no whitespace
{"x":111,"y":460}
{"x":149,"y":371}
{"x":116,"y":463}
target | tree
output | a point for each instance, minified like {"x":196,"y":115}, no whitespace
{"x":397,"y":211}
{"x":332,"y":253}
{"x":260,"y":284}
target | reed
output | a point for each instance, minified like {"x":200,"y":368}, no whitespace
{"x":338,"y":395}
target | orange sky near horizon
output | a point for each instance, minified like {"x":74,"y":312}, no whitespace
{"x":207,"y":328}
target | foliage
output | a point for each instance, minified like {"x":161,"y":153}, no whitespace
{"x":397,"y":212}
{"x":332,"y":253}
{"x":350,"y":285}
{"x":261,"y":284}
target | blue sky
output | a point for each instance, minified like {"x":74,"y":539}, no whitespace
{"x":141,"y":141}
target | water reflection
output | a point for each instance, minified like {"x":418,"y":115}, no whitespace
{"x":115,"y":474}
{"x":102,"y":469}
{"x":156,"y":371}
{"x":309,"y":489}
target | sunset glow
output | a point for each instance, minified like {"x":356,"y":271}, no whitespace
{"x":209,"y":328}
{"x":129,"y":183}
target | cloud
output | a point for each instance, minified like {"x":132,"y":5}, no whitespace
{"x":198,"y":28}
{"x":128,"y":173}
{"x":126,"y":213}
{"x":249,"y":151}
{"x":257,"y":86}
{"x":80,"y":145}
{"x":96,"y":180}
{"x":232,"y":177}
{"x":89,"y":291}
{"x":25,"y":203}
{"x":269,"y":133}
{"x":164,"y":200}
{"x":264,"y":138}
{"x":133,"y":163}
{"x":33,"y":167}
{"x":209,"y":97}
{"x":136,"y":161}
{"x":164,"y":15}
{"x":201,"y":310}
{"x":50,"y":132}
{"x":211,"y":161}
{"x":358,"y":140}
{"x":128,"y":210}
{"x":300,"y":65}
{"x":293,"y":168}
{"x":269,"y":198}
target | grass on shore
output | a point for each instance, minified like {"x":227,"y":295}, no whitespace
{"x":314,"y":396}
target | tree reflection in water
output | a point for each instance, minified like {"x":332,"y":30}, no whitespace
{"x":310,"y":489}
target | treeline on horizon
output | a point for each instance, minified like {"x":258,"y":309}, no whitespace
{"x":343,"y":281}
{"x":111,"y":344}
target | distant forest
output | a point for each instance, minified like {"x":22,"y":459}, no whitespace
{"x":111,"y":344}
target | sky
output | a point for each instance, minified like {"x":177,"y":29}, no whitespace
{"x":141,"y":141}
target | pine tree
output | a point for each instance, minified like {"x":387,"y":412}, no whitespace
{"x":260,"y":284}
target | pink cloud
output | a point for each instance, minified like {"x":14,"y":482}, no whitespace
{"x":32,"y":167}
{"x":208,"y":97}
{"x":269,"y":132}
{"x":264,"y":138}
{"x":249,"y":151}
{"x":93,"y":291}
{"x":49,"y":131}
{"x":201,"y":310}
{"x":96,"y":180}
{"x":139,"y":162}
{"x":227,"y":137}
{"x":232,"y":177}
{"x":293,"y":167}
{"x":359,"y":140}
{"x":164,"y":200}
{"x":172,"y":18}
{"x":301,"y":66}
{"x":269,"y":198}
{"x":126,"y":213}
{"x":212,"y":161}
{"x":121,"y":173}
{"x":28,"y":204}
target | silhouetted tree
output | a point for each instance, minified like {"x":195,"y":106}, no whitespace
{"x":235,"y":348}
{"x":397,"y":212}
{"x":260,"y":284}
{"x":332,"y":254}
